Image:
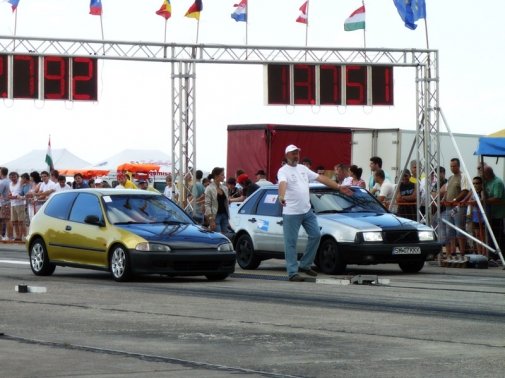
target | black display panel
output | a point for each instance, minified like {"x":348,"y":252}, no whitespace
{"x":330,"y":85}
{"x":55,"y":78}
{"x":382,"y":85}
{"x":25,"y":76}
{"x":304,"y":84}
{"x":3,"y":76}
{"x":278,"y":84}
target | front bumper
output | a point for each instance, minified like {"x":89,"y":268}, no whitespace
{"x":183,"y":262}
{"x":381,"y":253}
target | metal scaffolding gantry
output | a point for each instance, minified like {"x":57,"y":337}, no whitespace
{"x":185,"y":57}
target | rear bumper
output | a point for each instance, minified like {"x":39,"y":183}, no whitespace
{"x":183,"y":263}
{"x":383,"y":253}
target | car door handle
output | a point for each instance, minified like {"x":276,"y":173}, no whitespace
{"x":252,"y":220}
{"x":280,"y":223}
{"x":68,"y":228}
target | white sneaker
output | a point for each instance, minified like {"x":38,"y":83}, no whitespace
{"x":5,"y":238}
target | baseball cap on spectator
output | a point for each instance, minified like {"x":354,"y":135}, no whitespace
{"x":261,"y":172}
{"x":242,"y":178}
{"x":98,"y":181}
{"x":291,"y":148}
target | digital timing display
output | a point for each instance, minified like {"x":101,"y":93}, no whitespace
{"x":48,"y":78}
{"x":304,"y":84}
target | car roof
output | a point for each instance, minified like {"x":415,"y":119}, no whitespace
{"x":113,"y":191}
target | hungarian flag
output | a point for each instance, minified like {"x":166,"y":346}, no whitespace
{"x":49,"y":157}
{"x":303,"y":17}
{"x":95,"y":7}
{"x":356,"y":20}
{"x":14,"y":4}
{"x":165,"y":10}
{"x":194,"y":10}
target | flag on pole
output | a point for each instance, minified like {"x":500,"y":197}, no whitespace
{"x":49,"y":156}
{"x":95,"y":7}
{"x":165,"y":10}
{"x":303,"y":17}
{"x":194,"y":10}
{"x":410,"y":11}
{"x":14,"y":4}
{"x":356,"y":20}
{"x":240,"y":14}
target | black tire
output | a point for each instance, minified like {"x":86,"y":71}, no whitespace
{"x":411,"y":266}
{"x":245,"y":253}
{"x":39,"y":259}
{"x":119,"y":263}
{"x":330,"y":259}
{"x":217,"y":276}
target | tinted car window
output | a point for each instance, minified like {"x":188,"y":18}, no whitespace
{"x":124,"y":208}
{"x":268,"y":204}
{"x":59,"y":206}
{"x":250,"y":206}
{"x":331,"y":201}
{"x":85,"y":204}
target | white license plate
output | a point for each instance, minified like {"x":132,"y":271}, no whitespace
{"x":406,"y":250}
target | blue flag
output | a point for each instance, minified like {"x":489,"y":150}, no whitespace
{"x":410,"y":11}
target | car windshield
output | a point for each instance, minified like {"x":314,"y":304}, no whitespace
{"x":130,"y":209}
{"x":328,"y":201}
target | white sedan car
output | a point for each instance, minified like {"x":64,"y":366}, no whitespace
{"x":355,"y":229}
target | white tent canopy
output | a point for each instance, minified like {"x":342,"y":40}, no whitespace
{"x":36,"y":161}
{"x":134,"y":156}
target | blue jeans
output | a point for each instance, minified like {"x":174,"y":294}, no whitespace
{"x":222,"y":223}
{"x":291,"y":226}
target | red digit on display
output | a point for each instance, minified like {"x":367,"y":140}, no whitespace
{"x":3,"y":76}
{"x":84,"y":79}
{"x":278,"y":84}
{"x":304,"y":84}
{"x":330,"y":85}
{"x":382,"y":85}
{"x":55,"y":78}
{"x":25,"y":76}
{"x":356,"y":85}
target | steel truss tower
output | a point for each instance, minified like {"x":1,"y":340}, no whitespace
{"x":185,"y":57}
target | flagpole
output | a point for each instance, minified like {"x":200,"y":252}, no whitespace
{"x":15,"y":27}
{"x":165,"y":34}
{"x":364,"y":34}
{"x":103,"y":37}
{"x":197,"y":30}
{"x":307,"y":26}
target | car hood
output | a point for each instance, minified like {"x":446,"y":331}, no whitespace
{"x":371,"y":221}
{"x":186,"y":236}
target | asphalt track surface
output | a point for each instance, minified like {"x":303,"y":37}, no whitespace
{"x":442,"y":322}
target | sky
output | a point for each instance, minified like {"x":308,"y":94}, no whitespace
{"x":134,"y":106}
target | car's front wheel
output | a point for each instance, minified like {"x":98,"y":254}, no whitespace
{"x":120,"y":266}
{"x":411,"y":266}
{"x":330,"y":259}
{"x":39,"y":259}
{"x":245,"y":253}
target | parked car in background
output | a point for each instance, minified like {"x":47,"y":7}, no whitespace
{"x":126,"y":232}
{"x":355,"y":229}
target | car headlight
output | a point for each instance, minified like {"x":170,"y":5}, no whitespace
{"x":225,"y":247}
{"x":152,"y":247}
{"x":426,"y":235}
{"x":375,"y":236}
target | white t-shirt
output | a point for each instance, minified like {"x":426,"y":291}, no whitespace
{"x":16,"y":191}
{"x":43,"y":187}
{"x":170,"y":191}
{"x":386,"y":190}
{"x":297,"y":192}
{"x":60,"y":188}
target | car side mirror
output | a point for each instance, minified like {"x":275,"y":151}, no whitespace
{"x":93,"y":219}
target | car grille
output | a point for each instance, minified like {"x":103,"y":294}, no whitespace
{"x":395,"y":237}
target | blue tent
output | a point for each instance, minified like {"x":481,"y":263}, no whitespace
{"x":492,"y":145}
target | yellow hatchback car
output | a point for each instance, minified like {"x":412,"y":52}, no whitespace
{"x":126,"y":232}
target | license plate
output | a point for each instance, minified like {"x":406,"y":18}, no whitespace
{"x":406,"y":250}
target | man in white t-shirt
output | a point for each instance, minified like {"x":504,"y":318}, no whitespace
{"x":294,"y":196}
{"x":383,"y":189}
{"x":46,"y":187}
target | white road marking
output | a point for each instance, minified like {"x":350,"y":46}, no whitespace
{"x":16,"y":262}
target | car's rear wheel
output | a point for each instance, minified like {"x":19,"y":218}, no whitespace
{"x":330,"y":259}
{"x":39,"y":259}
{"x":120,"y":266}
{"x":217,"y":276}
{"x":411,"y":266}
{"x":245,"y":253}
